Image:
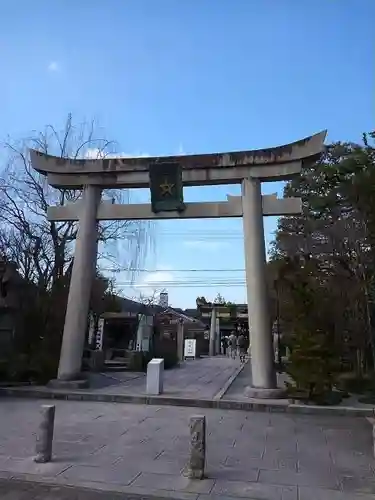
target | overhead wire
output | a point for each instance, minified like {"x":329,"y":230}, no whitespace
{"x":182,"y":285}
{"x":186,"y":281}
{"x":197,"y":234}
{"x":174,"y":270}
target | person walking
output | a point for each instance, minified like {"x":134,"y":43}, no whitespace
{"x":241,"y":343}
{"x":224,"y":345}
{"x":233,"y":345}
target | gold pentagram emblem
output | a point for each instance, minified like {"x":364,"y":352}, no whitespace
{"x":166,"y":188}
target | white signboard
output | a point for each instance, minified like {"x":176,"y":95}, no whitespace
{"x":190,"y":347}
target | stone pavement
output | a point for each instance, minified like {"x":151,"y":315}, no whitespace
{"x":201,"y":378}
{"x":142,"y":450}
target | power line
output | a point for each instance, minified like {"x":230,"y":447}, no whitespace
{"x":189,"y":231}
{"x":172,"y":270}
{"x":186,"y":285}
{"x":193,"y":280}
{"x":196,"y":234}
{"x":197,"y":283}
{"x":202,"y":233}
{"x":204,"y":237}
{"x":191,"y":237}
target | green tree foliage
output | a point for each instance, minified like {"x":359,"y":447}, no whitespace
{"x":313,"y":366}
{"x":330,"y":248}
{"x":218,"y":300}
{"x":201,"y":301}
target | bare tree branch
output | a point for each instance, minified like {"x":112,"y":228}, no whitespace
{"x":43,"y":249}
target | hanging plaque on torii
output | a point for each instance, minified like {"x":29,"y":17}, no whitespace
{"x":166,"y":187}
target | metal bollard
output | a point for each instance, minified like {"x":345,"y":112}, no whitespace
{"x":197,"y":459}
{"x":44,"y":436}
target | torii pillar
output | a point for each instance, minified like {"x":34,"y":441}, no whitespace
{"x":83,"y":274}
{"x":262,"y":358}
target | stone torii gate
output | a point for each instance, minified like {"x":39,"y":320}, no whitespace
{"x":250,"y":168}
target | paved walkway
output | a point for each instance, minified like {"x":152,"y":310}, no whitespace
{"x":141,"y":449}
{"x":205,"y":383}
{"x":201,"y":378}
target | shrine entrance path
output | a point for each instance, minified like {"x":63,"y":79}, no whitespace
{"x":203,"y":378}
{"x":218,"y":382}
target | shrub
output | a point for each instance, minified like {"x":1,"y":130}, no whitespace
{"x":313,"y":366}
{"x":352,"y":383}
{"x":3,"y":370}
{"x":170,"y":360}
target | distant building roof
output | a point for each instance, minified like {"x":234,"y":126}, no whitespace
{"x":183,"y":317}
{"x":132,"y":306}
{"x":128,"y":305}
{"x":193,"y":313}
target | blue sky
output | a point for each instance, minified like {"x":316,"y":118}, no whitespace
{"x":193,"y":76}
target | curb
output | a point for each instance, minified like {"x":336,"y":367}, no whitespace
{"x":371,"y":421}
{"x":229,"y":382}
{"x":220,"y":404}
{"x":121,"y":492}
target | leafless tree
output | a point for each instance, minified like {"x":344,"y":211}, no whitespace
{"x":43,"y":249}
{"x":150,"y":299}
